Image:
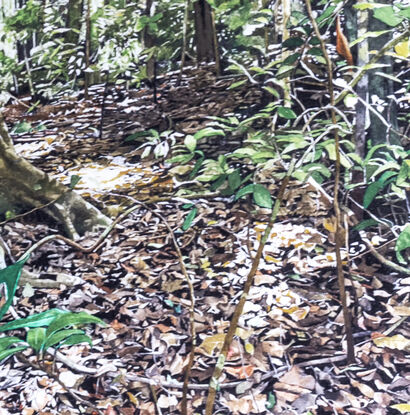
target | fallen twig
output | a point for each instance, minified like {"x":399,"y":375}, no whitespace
{"x":384,"y":260}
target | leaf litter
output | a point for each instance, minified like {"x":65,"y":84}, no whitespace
{"x":288,"y":353}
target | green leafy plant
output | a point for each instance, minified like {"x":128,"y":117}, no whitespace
{"x":154,"y":142}
{"x":391,"y":172}
{"x":51,"y":328}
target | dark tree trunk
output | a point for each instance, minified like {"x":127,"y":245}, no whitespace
{"x":74,"y":18}
{"x":204,"y":32}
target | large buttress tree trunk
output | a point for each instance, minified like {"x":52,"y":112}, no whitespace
{"x":23,"y":185}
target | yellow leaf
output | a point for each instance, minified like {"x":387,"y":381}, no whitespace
{"x":330,"y":224}
{"x":271,"y":259}
{"x":398,"y":342}
{"x":213,"y":342}
{"x":205,"y":264}
{"x":402,"y":407}
{"x":249,"y":348}
{"x":132,"y":398}
{"x":243,"y":334}
{"x":403,"y":49}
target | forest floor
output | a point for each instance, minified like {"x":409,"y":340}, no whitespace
{"x":288,"y":356}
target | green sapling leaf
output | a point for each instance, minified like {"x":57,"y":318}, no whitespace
{"x":262,"y":197}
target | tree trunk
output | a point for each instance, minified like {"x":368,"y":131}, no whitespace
{"x":381,"y":88}
{"x":23,"y":185}
{"x":74,"y":18}
{"x":204,"y":32}
{"x":149,"y":41}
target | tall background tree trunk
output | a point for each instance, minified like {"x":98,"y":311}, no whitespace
{"x":204,"y":32}
{"x":74,"y":20}
{"x":381,"y":87}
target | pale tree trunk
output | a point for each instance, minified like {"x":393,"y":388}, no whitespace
{"x":362,"y":113}
{"x":24,"y":186}
{"x":382,"y":88}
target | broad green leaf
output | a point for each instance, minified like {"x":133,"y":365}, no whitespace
{"x":41,"y":127}
{"x":234,"y":180}
{"x":293,"y":42}
{"x":261,"y":156}
{"x":391,"y":77}
{"x":9,"y":352}
{"x":291,"y":59}
{"x":208,"y":132}
{"x":403,"y":242}
{"x":365,"y":224}
{"x":262,"y":197}
{"x":388,"y":16}
{"x":387,"y":175}
{"x":297,"y":145}
{"x":371,"y":192}
{"x":370,"y":66}
{"x":219,"y":182}
{"x":198,"y":165}
{"x":6,"y":342}
{"x":190,"y":143}
{"x":327,"y":13}
{"x":404,"y":174}
{"x":386,"y":166}
{"x":76,"y":339}
{"x":367,"y":35}
{"x":318,"y":167}
{"x":35,"y":338}
{"x":245,"y":191}
{"x":139,"y":134}
{"x":284,"y":71}
{"x":331,"y":150}
{"x":72,"y":319}
{"x":365,"y":6}
{"x":10,"y":277}
{"x":315,"y":51}
{"x":272,"y":91}
{"x":182,"y":158}
{"x":405,"y":12}
{"x":286,"y":113}
{"x":74,"y":179}
{"x":236,"y":84}
{"x":59,"y":336}
{"x":244,"y":152}
{"x":400,"y":191}
{"x":189,"y":219}
{"x":36,"y":320}
{"x":22,"y":127}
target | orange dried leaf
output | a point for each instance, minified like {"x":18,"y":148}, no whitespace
{"x":240,"y":372}
{"x":342,"y":45}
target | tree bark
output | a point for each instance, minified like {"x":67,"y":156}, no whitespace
{"x":74,"y":18}
{"x":382,"y":88}
{"x":24,"y":186}
{"x":204,"y":32}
